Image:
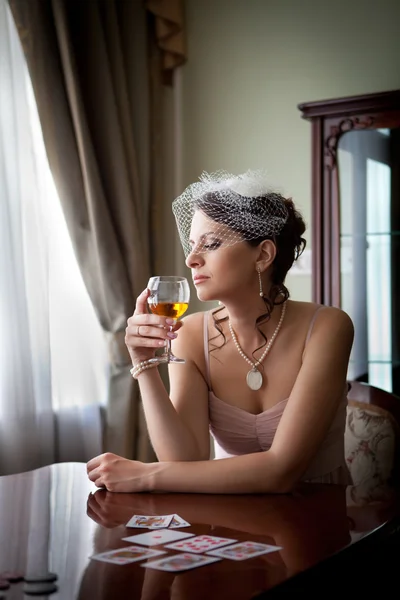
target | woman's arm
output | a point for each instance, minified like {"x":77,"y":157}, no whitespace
{"x":177,"y":426}
{"x":173,"y":437}
{"x":312,"y":405}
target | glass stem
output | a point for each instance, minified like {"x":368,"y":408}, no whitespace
{"x":168,"y":350}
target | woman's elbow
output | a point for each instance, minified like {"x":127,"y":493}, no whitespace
{"x":286,"y":485}
{"x":283,"y":478}
{"x":279,"y":485}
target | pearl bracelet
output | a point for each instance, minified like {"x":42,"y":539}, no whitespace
{"x":140,"y":367}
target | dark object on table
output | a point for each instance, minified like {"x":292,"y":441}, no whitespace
{"x":40,"y":589}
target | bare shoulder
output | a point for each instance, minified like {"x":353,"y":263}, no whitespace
{"x":191,"y":335}
{"x":328,"y":323}
{"x":330,"y":317}
{"x":319,"y":323}
{"x":194,"y":322}
{"x":325,"y":316}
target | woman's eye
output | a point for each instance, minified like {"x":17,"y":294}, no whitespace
{"x":212,"y":246}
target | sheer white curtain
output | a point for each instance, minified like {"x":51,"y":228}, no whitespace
{"x":53,"y":357}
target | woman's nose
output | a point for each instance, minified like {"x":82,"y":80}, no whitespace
{"x":194,"y":259}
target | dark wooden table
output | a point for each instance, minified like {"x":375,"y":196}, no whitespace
{"x":52,"y":520}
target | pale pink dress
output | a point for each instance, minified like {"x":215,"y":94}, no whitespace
{"x":236,"y":432}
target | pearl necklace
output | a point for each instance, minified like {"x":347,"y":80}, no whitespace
{"x":254,"y":377}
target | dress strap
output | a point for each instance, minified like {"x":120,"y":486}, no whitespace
{"x":206,"y":353}
{"x":312,"y":324}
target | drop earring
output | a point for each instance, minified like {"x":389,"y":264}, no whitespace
{"x":260,"y":282}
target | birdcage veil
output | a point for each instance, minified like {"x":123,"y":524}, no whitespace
{"x":242,"y":207}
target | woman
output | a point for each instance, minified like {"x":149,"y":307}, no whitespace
{"x":264,"y":374}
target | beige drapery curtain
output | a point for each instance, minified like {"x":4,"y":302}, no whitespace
{"x":170,"y":34}
{"x":93,"y":96}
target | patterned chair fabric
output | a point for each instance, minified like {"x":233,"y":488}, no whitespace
{"x":372,"y":442}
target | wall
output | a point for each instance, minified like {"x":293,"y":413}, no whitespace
{"x":251,"y":62}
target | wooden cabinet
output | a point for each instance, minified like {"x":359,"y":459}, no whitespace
{"x":356,"y":224}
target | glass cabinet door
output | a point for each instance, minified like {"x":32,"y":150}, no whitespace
{"x":368,"y":189}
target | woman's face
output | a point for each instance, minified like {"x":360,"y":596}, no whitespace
{"x":221,"y":269}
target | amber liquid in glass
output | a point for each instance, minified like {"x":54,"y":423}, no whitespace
{"x":173,"y":310}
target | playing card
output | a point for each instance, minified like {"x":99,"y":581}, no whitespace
{"x":150,"y":521}
{"x":161,"y":536}
{"x":244,"y":550}
{"x":130,"y":554}
{"x":201,"y":543}
{"x":180,"y":562}
{"x":177,"y":522}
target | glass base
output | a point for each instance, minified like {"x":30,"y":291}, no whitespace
{"x":175,"y":359}
{"x":166,"y":358}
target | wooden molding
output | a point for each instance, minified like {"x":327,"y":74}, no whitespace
{"x":330,"y":119}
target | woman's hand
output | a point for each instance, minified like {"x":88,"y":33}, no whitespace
{"x":118,"y":474}
{"x":111,"y":510}
{"x":146,"y":332}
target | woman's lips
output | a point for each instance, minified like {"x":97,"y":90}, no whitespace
{"x":198,"y":280}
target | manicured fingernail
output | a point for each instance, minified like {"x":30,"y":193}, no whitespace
{"x":170,"y":321}
{"x":172,"y":335}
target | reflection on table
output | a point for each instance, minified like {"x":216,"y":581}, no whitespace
{"x":54,"y":519}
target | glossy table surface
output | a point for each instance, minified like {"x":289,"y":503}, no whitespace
{"x":55,"y":519}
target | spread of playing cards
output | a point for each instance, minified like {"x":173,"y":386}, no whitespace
{"x":189,"y":550}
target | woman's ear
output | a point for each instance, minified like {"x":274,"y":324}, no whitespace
{"x":266,"y":254}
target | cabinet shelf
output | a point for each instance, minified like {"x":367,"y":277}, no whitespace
{"x":376,"y":362}
{"x":365,"y":235}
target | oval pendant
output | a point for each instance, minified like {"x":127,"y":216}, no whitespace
{"x":254,"y":379}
